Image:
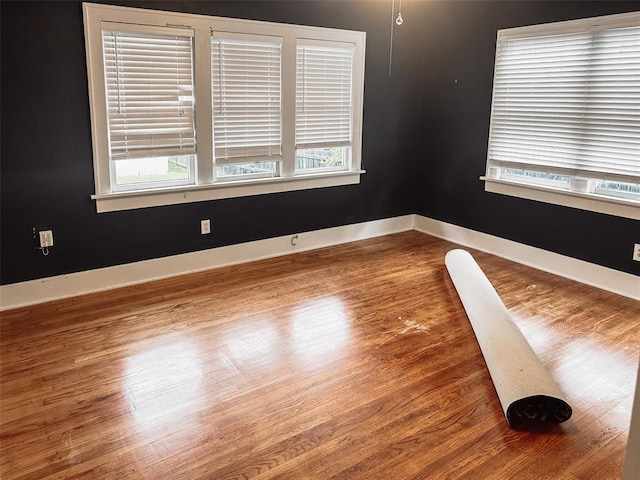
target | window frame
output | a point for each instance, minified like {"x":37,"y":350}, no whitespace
{"x":206,"y":187}
{"x":572,"y":195}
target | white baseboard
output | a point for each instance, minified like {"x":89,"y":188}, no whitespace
{"x":63,"y":286}
{"x":608,"y":279}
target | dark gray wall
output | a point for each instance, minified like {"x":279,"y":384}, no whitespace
{"x":424,"y":141}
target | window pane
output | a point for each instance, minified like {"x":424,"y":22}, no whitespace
{"x":149,"y":87}
{"x":324,"y":99}
{"x":332,"y":158}
{"x":629,"y":191}
{"x":566,"y":107}
{"x":246,"y":95}
{"x":624,"y":190}
{"x":536,"y":178}
{"x":157,"y":170}
{"x":239,"y":171}
{"x":149,"y":80}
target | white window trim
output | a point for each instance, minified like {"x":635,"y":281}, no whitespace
{"x":567,"y":198}
{"x":228,"y":189}
{"x":205,"y":188}
{"x":547,"y":193}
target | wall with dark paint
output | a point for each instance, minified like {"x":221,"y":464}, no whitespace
{"x":424,"y":141}
{"x":459,"y":49}
{"x":47,"y":172}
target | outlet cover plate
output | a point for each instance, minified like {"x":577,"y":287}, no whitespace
{"x":46,"y":238}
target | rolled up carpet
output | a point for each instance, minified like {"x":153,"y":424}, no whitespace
{"x":526,"y":391}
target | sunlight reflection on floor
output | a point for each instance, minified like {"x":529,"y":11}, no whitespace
{"x":250,"y":341}
{"x":602,"y":372}
{"x":320,"y":326}
{"x":162,"y":381}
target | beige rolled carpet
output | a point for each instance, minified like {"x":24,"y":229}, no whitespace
{"x":526,"y":391}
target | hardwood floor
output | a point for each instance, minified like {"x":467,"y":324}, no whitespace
{"x":352,"y":362}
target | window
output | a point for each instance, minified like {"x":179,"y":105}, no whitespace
{"x":323,"y":105}
{"x":565,"y":120}
{"x":149,"y":90}
{"x":189,"y":107}
{"x":247,"y":113}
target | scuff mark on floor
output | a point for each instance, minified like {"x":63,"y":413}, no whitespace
{"x":411,"y":325}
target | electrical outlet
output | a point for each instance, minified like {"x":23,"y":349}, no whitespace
{"x":46,"y":238}
{"x":205,"y":226}
{"x":636,"y":252}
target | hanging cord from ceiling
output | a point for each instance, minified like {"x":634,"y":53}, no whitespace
{"x":398,"y":21}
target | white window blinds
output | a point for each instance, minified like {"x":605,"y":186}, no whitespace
{"x":149,"y":89}
{"x":246,"y":91}
{"x":324,"y":100}
{"x":569,"y":104}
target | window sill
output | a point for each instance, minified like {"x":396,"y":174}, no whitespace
{"x":567,"y":198}
{"x":111,"y":202}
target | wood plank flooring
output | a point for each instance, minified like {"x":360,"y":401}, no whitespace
{"x":351,"y":362}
